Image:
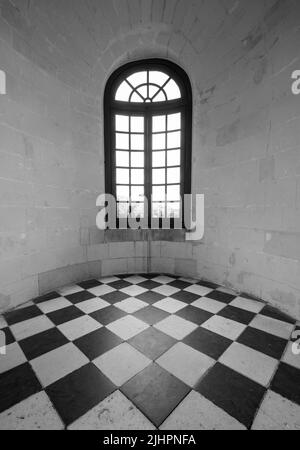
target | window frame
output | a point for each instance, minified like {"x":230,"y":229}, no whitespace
{"x":113,"y":107}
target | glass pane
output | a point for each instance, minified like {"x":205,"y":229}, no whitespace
{"x":173,"y":210}
{"x":136,"y":98}
{"x":158,"y":123}
{"x":137,"y":124}
{"x":137,"y":159}
{"x":174,"y":175}
{"x":122,"y":123}
{"x":174,"y":122}
{"x":158,"y":176}
{"x":122,"y":176}
{"x":159,"y":141}
{"x":123,"y":92}
{"x":159,"y":193}
{"x":137,"y":176}
{"x":158,"y":210}
{"x":160,"y":97}
{"x":137,"y":210}
{"x":157,"y":77}
{"x":173,"y":193}
{"x":137,"y":142}
{"x":122,"y":159}
{"x":172,"y":90}
{"x":158,"y":159}
{"x":173,"y":157}
{"x":174,"y":139}
{"x":143,"y":91}
{"x":137,"y":193}
{"x":152,"y":90}
{"x":123,"y":210}
{"x":138,"y":78}
{"x":122,"y":141}
{"x":123,"y":193}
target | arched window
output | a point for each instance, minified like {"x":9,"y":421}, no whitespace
{"x":147,"y":128}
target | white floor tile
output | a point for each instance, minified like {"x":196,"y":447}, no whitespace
{"x":208,"y":304}
{"x":163,"y":279}
{"x":247,"y":304}
{"x":101,"y":290}
{"x":76,"y":328}
{"x":107,"y":280}
{"x":34,"y":413}
{"x":131,"y":305}
{"x":94,"y":304}
{"x":250,"y":363}
{"x":135,"y":279}
{"x":226,"y":290}
{"x":176,"y":327}
{"x":197,"y":413}
{"x":133,"y":290}
{"x":54,"y":305}
{"x":3,"y":323}
{"x":166,"y":290}
{"x":116,"y":412}
{"x":30,"y":327}
{"x":185,"y":363}
{"x":290,"y":357}
{"x":277,"y":413}
{"x":225,"y":327}
{"x":68,"y":290}
{"x":14,"y":357}
{"x":127,"y":327}
{"x":170,"y":305}
{"x":198,"y":290}
{"x":189,"y":280}
{"x":121,"y":363}
{"x":272,"y":326}
{"x":58,"y":363}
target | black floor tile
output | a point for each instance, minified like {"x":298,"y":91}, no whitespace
{"x":239,"y":396}
{"x":207,"y":342}
{"x":65,"y":315}
{"x":108,"y":315}
{"x":9,"y":337}
{"x":186,"y":297}
{"x":78,"y":392}
{"x":19,"y":315}
{"x":149,"y":284}
{"x":194,"y":315}
{"x":119,"y":284}
{"x":89,"y":284}
{"x":274,"y":313}
{"x":98,"y":342}
{"x":79,"y":297}
{"x":155,"y":392}
{"x":47,"y":297}
{"x":221,"y":296}
{"x":152,"y":343}
{"x":151,"y":315}
{"x":150,"y":297}
{"x":287,"y":382}
{"x":263,"y":342}
{"x":41,"y":343}
{"x":208,"y":284}
{"x":179,"y":284}
{"x":237,"y":314}
{"x":16,"y":385}
{"x":114,"y":297}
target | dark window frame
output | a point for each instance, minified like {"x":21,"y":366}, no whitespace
{"x":113,"y":107}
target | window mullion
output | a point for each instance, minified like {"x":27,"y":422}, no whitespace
{"x":148,"y":161}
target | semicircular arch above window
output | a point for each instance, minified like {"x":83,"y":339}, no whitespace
{"x":148,"y":86}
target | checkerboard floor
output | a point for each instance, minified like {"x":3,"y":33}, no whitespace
{"x":147,"y":352}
